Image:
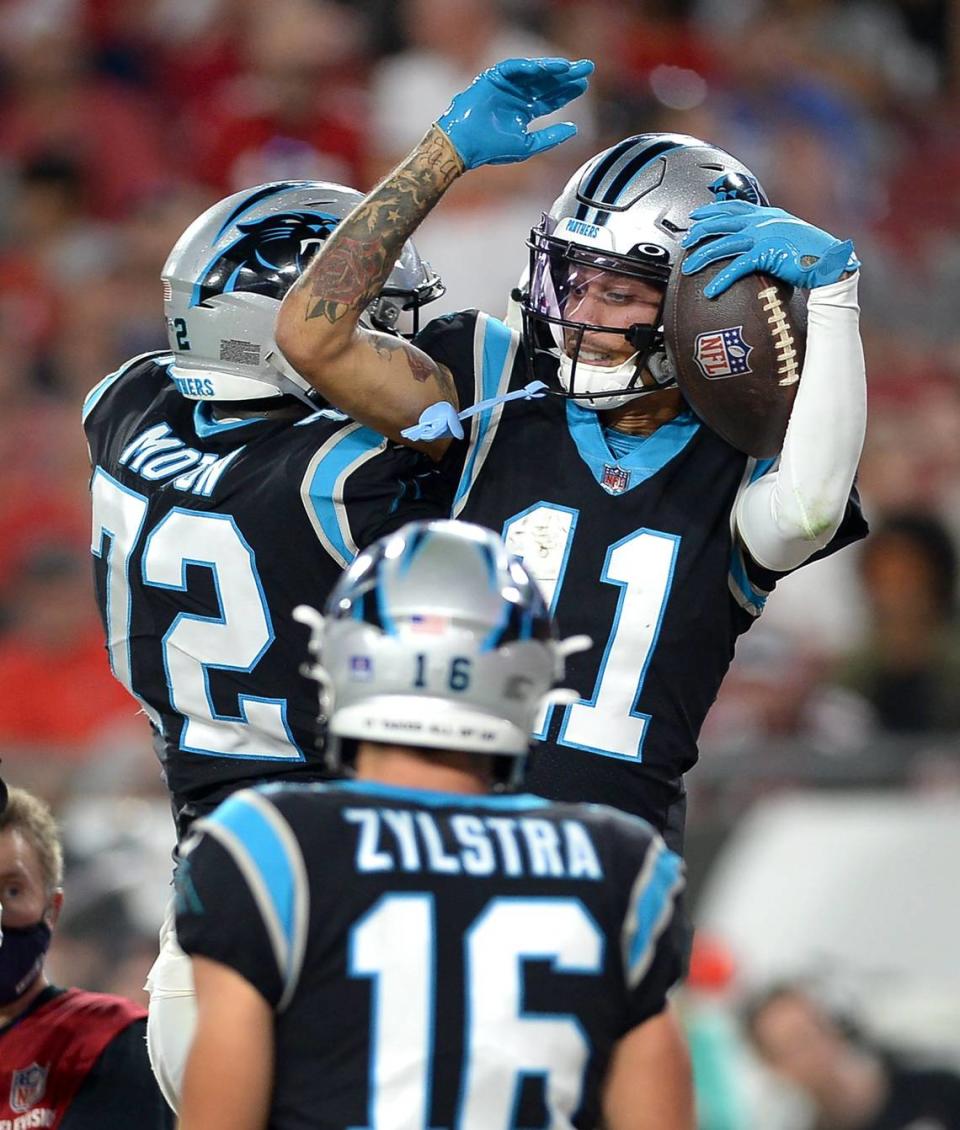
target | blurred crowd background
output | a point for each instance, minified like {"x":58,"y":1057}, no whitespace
{"x":823,"y":813}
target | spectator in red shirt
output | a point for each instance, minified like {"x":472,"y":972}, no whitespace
{"x":68,"y":1059}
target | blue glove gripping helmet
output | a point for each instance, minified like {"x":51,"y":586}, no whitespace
{"x":624,"y":213}
{"x":225,"y":278}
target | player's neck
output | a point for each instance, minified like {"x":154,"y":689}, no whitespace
{"x":642,"y":417}
{"x":443,"y":771}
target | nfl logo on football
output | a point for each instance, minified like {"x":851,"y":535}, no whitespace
{"x":615,"y":479}
{"x":722,"y":353}
{"x":27,"y":1087}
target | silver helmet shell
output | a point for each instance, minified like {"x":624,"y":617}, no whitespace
{"x":227,"y":274}
{"x":436,"y":636}
{"x":623,"y":212}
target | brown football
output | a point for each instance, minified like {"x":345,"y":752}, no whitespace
{"x":737,"y":357}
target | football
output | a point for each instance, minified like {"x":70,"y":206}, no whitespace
{"x":737,"y":357}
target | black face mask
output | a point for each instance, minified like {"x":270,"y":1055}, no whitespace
{"x":22,"y":952}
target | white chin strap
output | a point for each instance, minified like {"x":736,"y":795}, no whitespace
{"x":612,"y":379}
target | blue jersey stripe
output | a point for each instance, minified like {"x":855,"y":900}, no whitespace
{"x":650,"y":906}
{"x":498,"y":350}
{"x":252,"y":831}
{"x":323,"y":487}
{"x":748,"y":595}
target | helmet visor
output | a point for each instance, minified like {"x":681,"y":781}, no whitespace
{"x":598,"y":307}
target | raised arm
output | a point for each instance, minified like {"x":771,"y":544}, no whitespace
{"x":381,"y":380}
{"x":793,"y":511}
{"x":377,"y":378}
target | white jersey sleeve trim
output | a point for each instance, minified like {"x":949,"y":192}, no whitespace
{"x":267,"y":855}
{"x":324,"y":484}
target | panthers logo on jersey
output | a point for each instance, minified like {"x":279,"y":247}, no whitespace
{"x":270,"y":254}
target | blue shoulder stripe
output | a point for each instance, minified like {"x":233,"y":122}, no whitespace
{"x":322,"y":488}
{"x":94,"y":396}
{"x":650,"y":908}
{"x":495,"y":347}
{"x":749,"y":596}
{"x":268,"y":856}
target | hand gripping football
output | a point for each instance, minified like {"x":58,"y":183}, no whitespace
{"x":737,"y":357}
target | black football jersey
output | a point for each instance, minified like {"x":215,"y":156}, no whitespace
{"x":636,"y":552}
{"x":206,"y":536}
{"x":434,"y":959}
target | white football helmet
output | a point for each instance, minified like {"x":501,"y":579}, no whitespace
{"x":622,"y":213}
{"x":437,"y":636}
{"x":225,"y":277}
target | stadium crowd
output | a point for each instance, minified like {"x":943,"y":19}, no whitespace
{"x":121,"y":122}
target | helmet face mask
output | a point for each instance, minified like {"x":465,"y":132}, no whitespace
{"x":599,"y":363}
{"x":227,"y":274}
{"x":436,"y":637}
{"x":624,"y":212}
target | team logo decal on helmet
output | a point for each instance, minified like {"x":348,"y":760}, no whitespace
{"x":227,"y":274}
{"x":738,"y":186}
{"x":268,"y":257}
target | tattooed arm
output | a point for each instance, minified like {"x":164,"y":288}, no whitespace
{"x":381,"y":380}
{"x":378,"y":378}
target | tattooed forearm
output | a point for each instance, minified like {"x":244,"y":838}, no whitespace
{"x":354,"y":263}
{"x":422,"y":367}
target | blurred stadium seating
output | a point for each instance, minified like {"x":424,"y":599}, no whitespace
{"x":119,"y":122}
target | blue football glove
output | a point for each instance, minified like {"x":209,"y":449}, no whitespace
{"x":764,"y":239}
{"x":487,"y":123}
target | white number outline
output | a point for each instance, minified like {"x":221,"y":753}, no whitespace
{"x":472,"y":1111}
{"x":574,"y":715}
{"x":118,"y":562}
{"x":116,"y":570}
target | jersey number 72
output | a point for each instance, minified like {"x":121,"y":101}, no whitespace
{"x":193,"y":645}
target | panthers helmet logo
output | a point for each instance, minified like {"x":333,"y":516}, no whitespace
{"x":267,"y":258}
{"x":738,"y":186}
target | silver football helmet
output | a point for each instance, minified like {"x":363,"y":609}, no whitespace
{"x":623,"y":214}
{"x":437,"y":636}
{"x":225,"y":277}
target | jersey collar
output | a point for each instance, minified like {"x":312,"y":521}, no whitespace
{"x":205,"y":425}
{"x":650,"y":454}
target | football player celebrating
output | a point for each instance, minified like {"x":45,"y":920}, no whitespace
{"x":647,"y":531}
{"x":224,"y":494}
{"x":415,"y":946}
